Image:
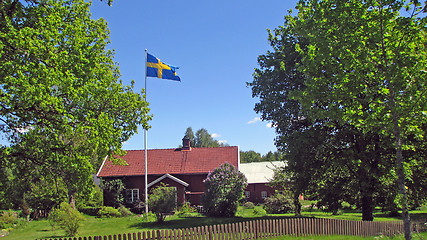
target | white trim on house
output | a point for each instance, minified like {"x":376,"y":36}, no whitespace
{"x":167,"y":175}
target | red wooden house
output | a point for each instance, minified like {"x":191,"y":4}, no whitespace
{"x":259,"y":175}
{"x":183,"y":168}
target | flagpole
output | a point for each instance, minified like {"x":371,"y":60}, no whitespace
{"x":145,"y":141}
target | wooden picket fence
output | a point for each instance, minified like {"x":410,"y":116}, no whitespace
{"x":259,"y":229}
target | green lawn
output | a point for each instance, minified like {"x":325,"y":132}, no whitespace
{"x":109,"y":226}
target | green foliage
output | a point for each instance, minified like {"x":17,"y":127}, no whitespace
{"x":114,"y":191}
{"x":202,"y":138}
{"x":8,"y":219}
{"x":249,"y":205}
{"x":162,"y":201}
{"x":124,"y":212}
{"x":279,"y":203}
{"x":67,"y":218}
{"x":64,"y":107}
{"x":252,"y":156}
{"x":186,"y":210}
{"x":109,"y":212}
{"x":93,"y":197}
{"x":224,"y":189}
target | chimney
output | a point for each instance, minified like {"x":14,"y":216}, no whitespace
{"x":186,"y":143}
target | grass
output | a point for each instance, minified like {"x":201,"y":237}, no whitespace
{"x":109,"y":226}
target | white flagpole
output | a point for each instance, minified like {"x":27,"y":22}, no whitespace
{"x":145,"y":141}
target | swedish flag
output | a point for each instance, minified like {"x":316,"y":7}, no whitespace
{"x":157,"y":69}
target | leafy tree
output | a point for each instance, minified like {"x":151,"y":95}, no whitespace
{"x":162,"y":201}
{"x":190,"y":134}
{"x":63,"y":106}
{"x":202,"y":138}
{"x":365,"y":65}
{"x":308,"y":124}
{"x":250,"y":156}
{"x":224,"y":188}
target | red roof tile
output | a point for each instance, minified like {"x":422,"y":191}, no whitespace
{"x":172,"y":161}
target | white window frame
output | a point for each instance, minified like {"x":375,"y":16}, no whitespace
{"x":132,"y":195}
{"x":264,"y":194}
{"x":247,"y":194}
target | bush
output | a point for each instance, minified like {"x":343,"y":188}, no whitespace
{"x":186,"y":210}
{"x":91,"y":211}
{"x":249,"y":205}
{"x":278,"y":203}
{"x":8,"y":219}
{"x":224,"y":189}
{"x":124,"y":212}
{"x":109,"y":212}
{"x":162,"y":201}
{"x":67,"y":218}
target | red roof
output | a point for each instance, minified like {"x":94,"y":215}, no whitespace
{"x":172,"y":161}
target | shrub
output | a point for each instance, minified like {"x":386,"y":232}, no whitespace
{"x":224,"y":188}
{"x":162,"y":201}
{"x":249,"y":205}
{"x":67,"y":218}
{"x":8,"y":219}
{"x":91,"y":211}
{"x":109,"y":212}
{"x":186,"y":209}
{"x":124,"y":212}
{"x":278,"y":203}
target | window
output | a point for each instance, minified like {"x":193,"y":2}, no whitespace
{"x":132,"y":195}
{"x":247,"y":194}
{"x":263,"y":194}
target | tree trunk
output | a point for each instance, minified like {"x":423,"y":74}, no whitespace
{"x":297,"y":205}
{"x":401,"y":174}
{"x":367,"y":207}
{"x":402,"y":187}
{"x":71,"y":199}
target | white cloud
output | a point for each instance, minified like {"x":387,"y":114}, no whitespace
{"x":254,"y":120}
{"x":269,"y":125}
{"x":215,"y":135}
{"x":222,"y":141}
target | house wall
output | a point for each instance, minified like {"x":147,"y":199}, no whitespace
{"x":192,"y":193}
{"x":255,"y":192}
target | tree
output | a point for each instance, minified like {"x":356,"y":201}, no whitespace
{"x":224,"y":188}
{"x":63,"y":107}
{"x":309,"y":131}
{"x":162,"y":201}
{"x":365,"y":65}
{"x":250,"y":156}
{"x":190,"y":134}
{"x":202,"y":138}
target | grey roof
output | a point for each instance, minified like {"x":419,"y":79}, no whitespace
{"x":259,"y":172}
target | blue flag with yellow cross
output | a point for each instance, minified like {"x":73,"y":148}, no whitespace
{"x":155,"y":68}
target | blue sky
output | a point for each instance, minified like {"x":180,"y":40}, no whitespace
{"x":215,"y":44}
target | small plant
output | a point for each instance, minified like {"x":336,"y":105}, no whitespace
{"x":109,"y":212}
{"x":124,"y":212}
{"x":8,"y":219}
{"x":249,"y":205}
{"x":186,"y":210}
{"x":67,"y":218}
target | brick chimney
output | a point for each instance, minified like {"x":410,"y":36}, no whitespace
{"x":186,"y":143}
